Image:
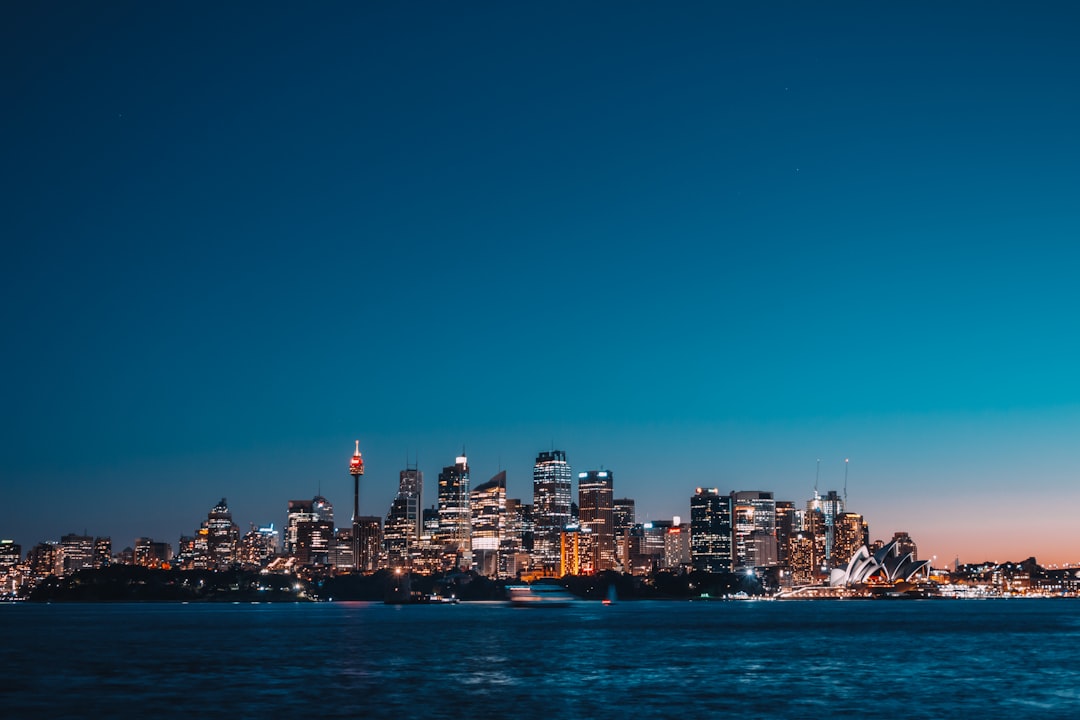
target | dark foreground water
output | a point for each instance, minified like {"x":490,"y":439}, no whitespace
{"x":959,"y":659}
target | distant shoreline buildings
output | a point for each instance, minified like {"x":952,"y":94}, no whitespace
{"x":479,"y":529}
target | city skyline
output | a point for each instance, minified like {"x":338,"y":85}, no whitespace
{"x":701,"y":246}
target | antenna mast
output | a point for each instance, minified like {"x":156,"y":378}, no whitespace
{"x":846,"y":461}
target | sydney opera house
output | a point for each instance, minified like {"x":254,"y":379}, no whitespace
{"x":886,"y":564}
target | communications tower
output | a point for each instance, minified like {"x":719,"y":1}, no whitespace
{"x":356,"y":469}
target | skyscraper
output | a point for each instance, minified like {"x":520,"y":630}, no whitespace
{"x":755,"y":528}
{"x":711,"y":531}
{"x":455,"y":518}
{"x":404,"y":519}
{"x":624,"y":517}
{"x":830,"y":506}
{"x":223,"y":537}
{"x":551,"y":507}
{"x":596,"y":513}
{"x":488,"y":524}
{"x":851,"y":533}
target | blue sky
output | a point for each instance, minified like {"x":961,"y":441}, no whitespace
{"x":702,"y":245}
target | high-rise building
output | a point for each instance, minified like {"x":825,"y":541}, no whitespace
{"x":802,"y":558}
{"x":102,"y":552}
{"x":76,"y":553}
{"x":830,"y":506}
{"x":785,"y":528}
{"x":905,"y":545}
{"x":10,"y":554}
{"x":711,"y":540}
{"x":404,"y":520}
{"x":299,"y":511}
{"x":370,"y":542}
{"x":223,"y":537}
{"x":677,"y":546}
{"x":551,"y":507}
{"x":488,"y":524}
{"x":596,"y":513}
{"x":850,"y":533}
{"x":577,"y":548}
{"x":258,"y":546}
{"x":755,"y":517}
{"x":624,"y":518}
{"x":150,"y":553}
{"x":455,"y":517}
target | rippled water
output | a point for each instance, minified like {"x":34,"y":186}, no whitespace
{"x":1008,"y":658}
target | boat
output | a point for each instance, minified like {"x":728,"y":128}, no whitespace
{"x":539,"y":595}
{"x":612,"y":596}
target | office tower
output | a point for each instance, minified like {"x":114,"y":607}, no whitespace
{"x":488,"y":524}
{"x":258,"y":546}
{"x":803,"y":561}
{"x":342,"y":556}
{"x":596,"y":512}
{"x":404,"y":520}
{"x":315,"y":542}
{"x":623,"y":517}
{"x":10,"y":554}
{"x":152,"y":554}
{"x":551,"y":507}
{"x":299,"y":511}
{"x":850,"y":533}
{"x":676,"y":546}
{"x":577,"y":548}
{"x":513,"y":554}
{"x":830,"y":506}
{"x":455,"y":518}
{"x":905,"y":545}
{"x":102,"y":552}
{"x":711,"y":531}
{"x":785,"y":526}
{"x":76,"y":553}
{"x":223,"y":537}
{"x":370,"y":542}
{"x":755,"y":518}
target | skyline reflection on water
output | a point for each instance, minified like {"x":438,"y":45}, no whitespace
{"x":1006,"y":658}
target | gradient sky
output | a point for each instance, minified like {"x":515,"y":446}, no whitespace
{"x":701,"y":245}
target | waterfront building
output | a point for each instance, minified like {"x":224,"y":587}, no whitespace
{"x":488,"y":502}
{"x":802,"y":558}
{"x":551,"y":507}
{"x":299,"y":511}
{"x":596,"y":513}
{"x":711,"y":540}
{"x":10,"y":554}
{"x":851,"y":533}
{"x":42,"y":561}
{"x":577,"y":550}
{"x":455,"y":517}
{"x":76,"y":553}
{"x":342,"y":554}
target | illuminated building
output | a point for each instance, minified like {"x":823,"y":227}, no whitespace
{"x":850,"y":533}
{"x":342,"y":554}
{"x":488,"y":524}
{"x":905,"y":545}
{"x":258,"y":546}
{"x":404,"y":520}
{"x":369,"y":542}
{"x":677,"y":546}
{"x":596,"y":512}
{"x":551,"y":507}
{"x":514,"y":556}
{"x":711,"y":540}
{"x":223,"y":537}
{"x":893,"y":563}
{"x":802,"y":558}
{"x":102,"y":552}
{"x":314,"y":542}
{"x":577,"y":548}
{"x":42,"y":561}
{"x":76,"y":553}
{"x":300,"y":511}
{"x":356,"y":469}
{"x":10,"y":554}
{"x":787,"y":523}
{"x":830,"y":506}
{"x":152,"y":554}
{"x":754,"y":516}
{"x":623,"y":518}
{"x":455,"y":518}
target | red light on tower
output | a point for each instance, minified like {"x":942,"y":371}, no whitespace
{"x":356,"y":465}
